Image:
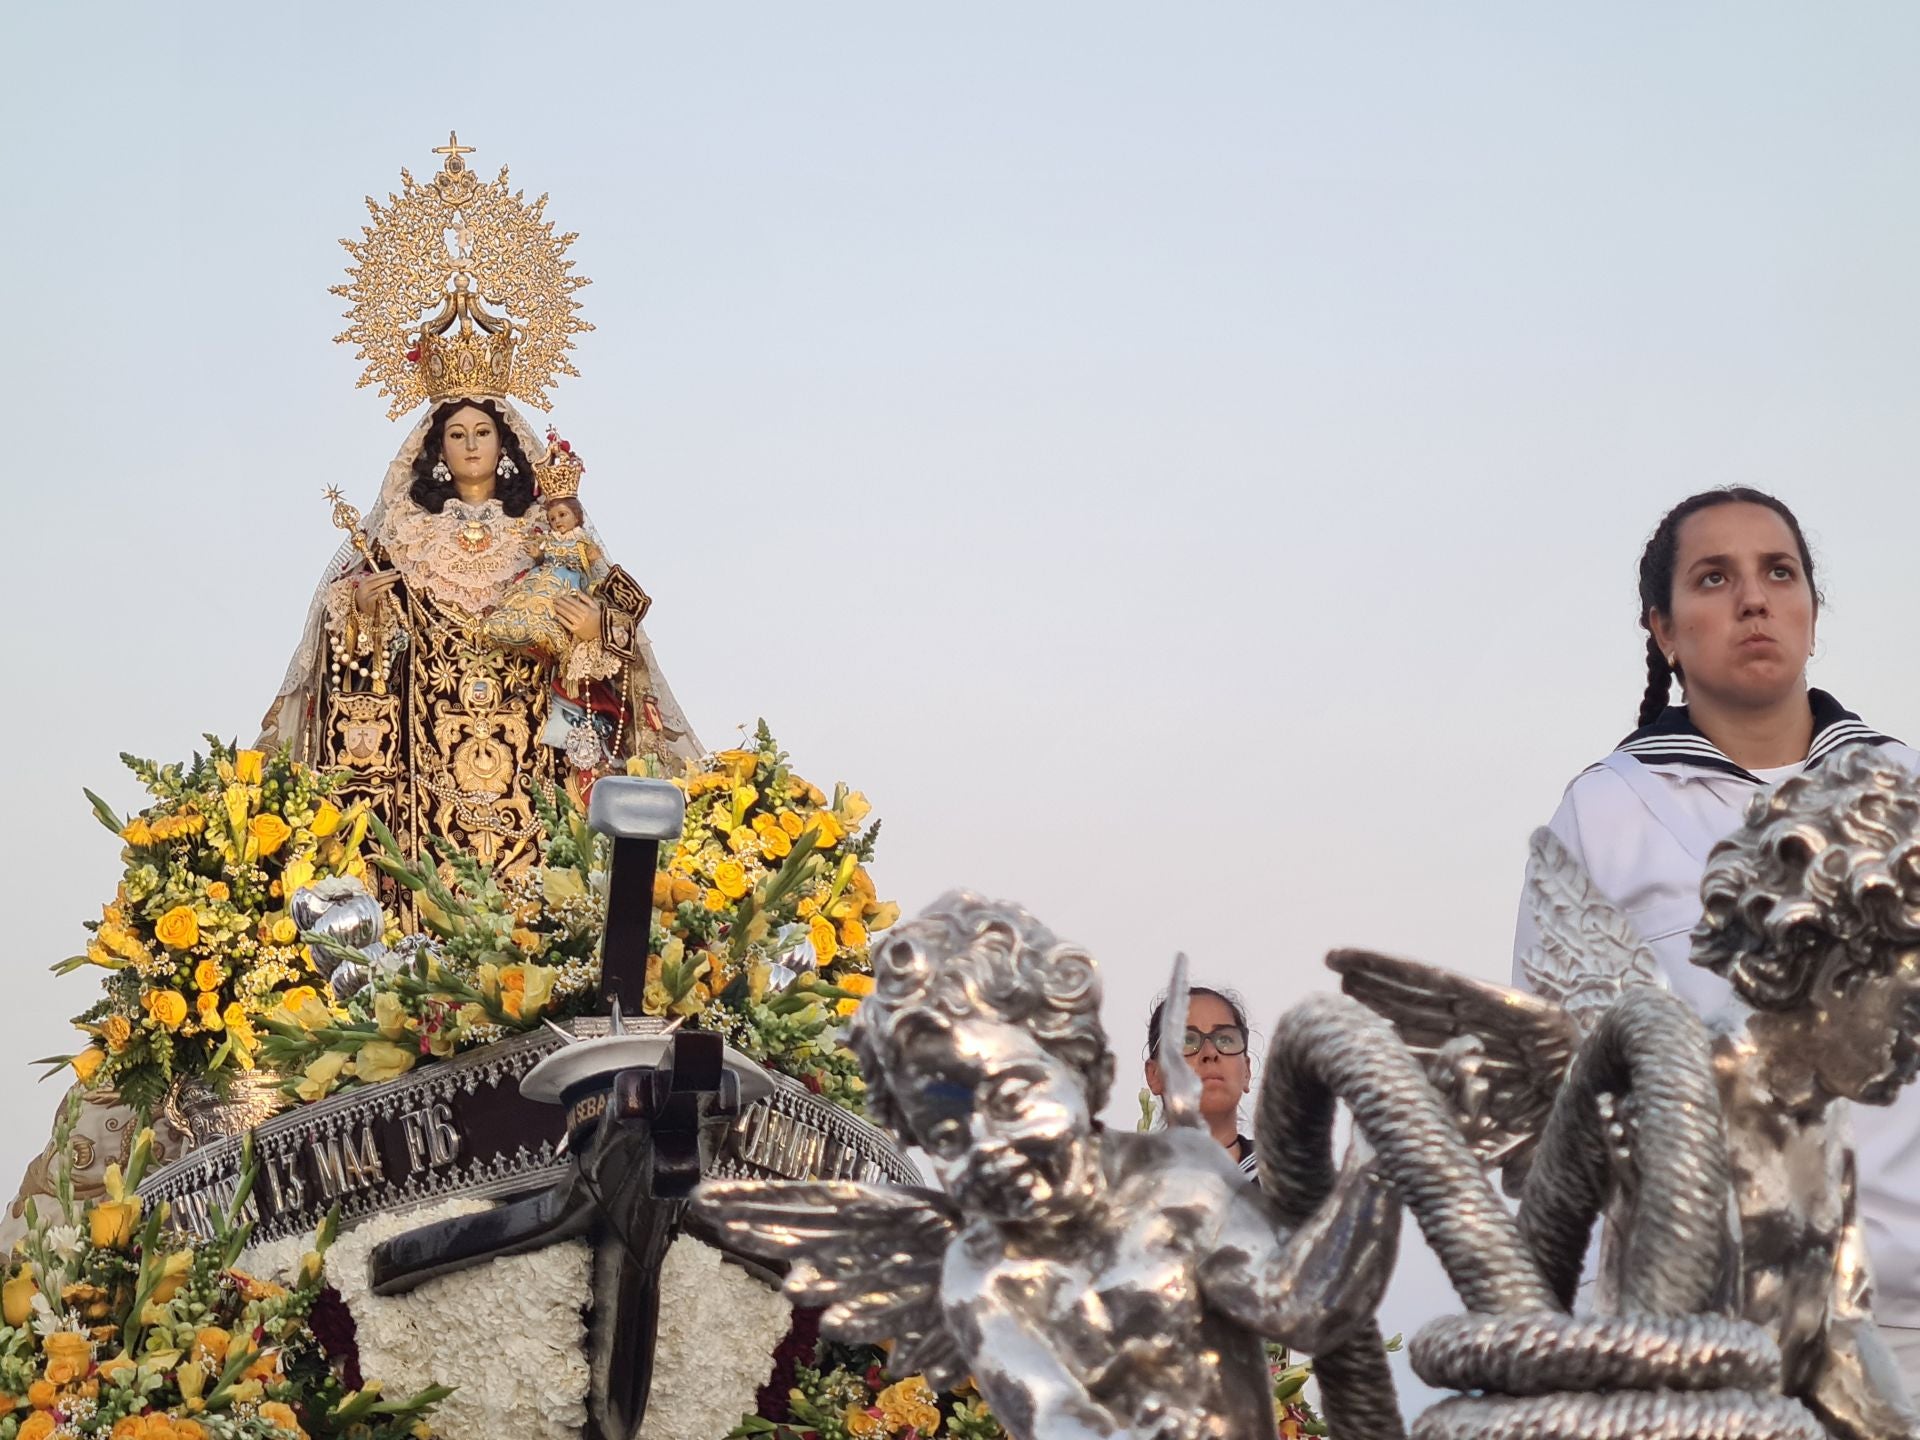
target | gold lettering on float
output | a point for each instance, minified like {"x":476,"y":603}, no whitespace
{"x":283,"y":1182}
{"x":349,"y":1161}
{"x":796,"y":1150}
{"x":432,"y":1141}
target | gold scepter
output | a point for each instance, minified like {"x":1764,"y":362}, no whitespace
{"x":346,"y":517}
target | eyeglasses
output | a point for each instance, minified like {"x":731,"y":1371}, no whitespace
{"x":1227,"y":1040}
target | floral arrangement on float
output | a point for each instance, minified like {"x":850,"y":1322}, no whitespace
{"x":116,"y":1328}
{"x":840,"y":1392}
{"x":763,"y":915}
{"x":197,"y":941}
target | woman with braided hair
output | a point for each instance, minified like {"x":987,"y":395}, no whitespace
{"x":1730,"y":605}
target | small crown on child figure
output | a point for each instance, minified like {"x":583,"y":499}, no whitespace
{"x":559,"y":474}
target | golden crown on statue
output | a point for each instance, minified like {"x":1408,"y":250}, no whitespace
{"x":559,"y":473}
{"x":460,"y":287}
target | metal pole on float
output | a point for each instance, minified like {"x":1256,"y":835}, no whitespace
{"x":640,"y":815}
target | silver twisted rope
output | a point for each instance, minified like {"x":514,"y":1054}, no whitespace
{"x":1542,"y":1374}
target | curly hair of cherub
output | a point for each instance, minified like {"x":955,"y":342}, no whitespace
{"x":963,"y":957}
{"x":1824,"y":877}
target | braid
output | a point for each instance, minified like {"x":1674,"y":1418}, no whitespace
{"x":1659,"y":685}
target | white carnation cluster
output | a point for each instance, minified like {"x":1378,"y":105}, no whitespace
{"x":719,"y":1327}
{"x":510,"y":1335}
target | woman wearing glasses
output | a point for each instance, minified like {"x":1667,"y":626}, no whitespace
{"x":1216,"y":1047}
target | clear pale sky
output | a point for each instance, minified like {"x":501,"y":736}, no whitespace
{"x":1185,"y":463}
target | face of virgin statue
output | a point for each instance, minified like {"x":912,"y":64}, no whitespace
{"x":470,"y":447}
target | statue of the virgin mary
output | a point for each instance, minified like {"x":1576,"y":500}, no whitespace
{"x":470,"y":645}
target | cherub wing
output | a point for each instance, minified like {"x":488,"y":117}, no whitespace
{"x":871,"y":1255}
{"x":1498,"y":1055}
{"x":1586,"y":954}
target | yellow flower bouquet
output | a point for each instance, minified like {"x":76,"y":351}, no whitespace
{"x":113,"y":1327}
{"x":763,"y":915}
{"x":197,"y":943}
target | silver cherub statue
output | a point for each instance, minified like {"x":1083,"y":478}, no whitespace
{"x":1812,"y":914}
{"x":1094,"y":1283}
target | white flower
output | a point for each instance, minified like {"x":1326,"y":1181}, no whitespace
{"x":701,"y":1388}
{"x":510,"y":1334}
{"x":64,"y":1240}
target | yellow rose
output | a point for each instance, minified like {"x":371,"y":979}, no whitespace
{"x":41,"y":1395}
{"x":389,"y":1015}
{"x":280,"y":1414}
{"x":730,"y":878}
{"x":296,"y":877}
{"x":117,"y":1030}
{"x":792,"y":824}
{"x":774,"y":843}
{"x":740,"y":764}
{"x":820,"y":933}
{"x":713,"y":900}
{"x":207,"y":976}
{"x":513,"y":985}
{"x":85,"y":1066}
{"x":322,"y":1075}
{"x":68,"y":1356}
{"x":269,"y":832}
{"x":249,"y":766}
{"x":37,"y":1426}
{"x":908,"y":1404}
{"x":168,"y":1007}
{"x":560,"y":885}
{"x":189,"y":1430}
{"x":211,"y":1343}
{"x":219,"y":890}
{"x":662,"y":890}
{"x":111,"y":1223}
{"x":208,"y":1008}
{"x":16,"y":1298}
{"x":861,"y":1424}
{"x":173,"y":1274}
{"x":536,"y":989}
{"x":379,"y":1060}
{"x":177,"y":929}
{"x":858,"y":984}
{"x":285,"y":932}
{"x":852,"y":933}
{"x":326,"y":820}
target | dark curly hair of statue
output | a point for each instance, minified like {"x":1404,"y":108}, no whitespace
{"x":1823,"y":878}
{"x":1656,"y":578}
{"x":515,"y":492}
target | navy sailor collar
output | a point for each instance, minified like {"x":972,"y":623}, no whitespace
{"x":1673,"y":739}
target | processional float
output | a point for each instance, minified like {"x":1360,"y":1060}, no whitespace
{"x":1089,"y":1282}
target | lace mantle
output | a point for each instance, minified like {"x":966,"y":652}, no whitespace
{"x":465,"y":556}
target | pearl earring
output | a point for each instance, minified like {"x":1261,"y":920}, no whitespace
{"x":506,"y":469}
{"x":441,"y":473}
{"x":1669,"y":662}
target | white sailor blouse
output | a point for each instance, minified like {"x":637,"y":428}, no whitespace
{"x":1642,"y":822}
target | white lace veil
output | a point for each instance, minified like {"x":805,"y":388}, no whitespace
{"x":285,"y":721}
